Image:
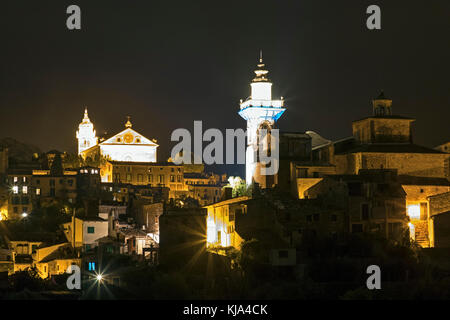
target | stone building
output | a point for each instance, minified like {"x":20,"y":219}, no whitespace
{"x":385,"y":141}
{"x":279,"y":222}
{"x":445,"y":148}
{"x":158,"y":174}
{"x":54,"y":260}
{"x":439,"y":213}
{"x":19,"y":193}
{"x":376,"y":203}
{"x":418,"y":207}
{"x":49,"y":186}
{"x":27,"y":187}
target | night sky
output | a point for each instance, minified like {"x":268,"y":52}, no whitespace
{"x":168,"y":63}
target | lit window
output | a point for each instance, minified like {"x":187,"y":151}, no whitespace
{"x":15,"y":179}
{"x":15,"y":189}
{"x":414,"y":211}
{"x":38,"y":191}
{"x":24,"y":189}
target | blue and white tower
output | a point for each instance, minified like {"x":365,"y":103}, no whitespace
{"x":261,"y":112}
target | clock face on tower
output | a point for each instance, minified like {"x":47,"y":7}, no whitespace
{"x":128,"y":138}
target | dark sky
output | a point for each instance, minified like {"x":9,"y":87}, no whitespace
{"x":168,"y":63}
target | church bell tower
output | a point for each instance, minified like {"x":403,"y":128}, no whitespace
{"x":261,"y":112}
{"x":86,"y":134}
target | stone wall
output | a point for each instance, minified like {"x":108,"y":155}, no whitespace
{"x":421,"y":232}
{"x":439,"y":203}
{"x":420,"y":193}
{"x":376,"y":130}
{"x":415,"y":164}
{"x":441,"y":224}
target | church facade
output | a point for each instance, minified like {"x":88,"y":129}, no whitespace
{"x":127,"y":145}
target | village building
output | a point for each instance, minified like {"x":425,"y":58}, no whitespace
{"x":82,"y":232}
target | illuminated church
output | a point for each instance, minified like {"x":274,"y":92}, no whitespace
{"x":127,"y":145}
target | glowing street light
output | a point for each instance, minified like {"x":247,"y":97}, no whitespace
{"x":99,"y":277}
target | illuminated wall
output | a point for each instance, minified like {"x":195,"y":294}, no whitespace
{"x":221,"y":223}
{"x":130,"y":153}
{"x":414,"y":211}
{"x":128,"y":145}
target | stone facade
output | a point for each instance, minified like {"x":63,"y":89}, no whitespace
{"x":383,"y":129}
{"x":416,"y":164}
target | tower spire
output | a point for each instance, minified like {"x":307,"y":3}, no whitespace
{"x":86,"y":116}
{"x":128,"y":123}
{"x":261,"y":72}
{"x":382,"y":106}
{"x":260,"y":111}
{"x":86,"y":133}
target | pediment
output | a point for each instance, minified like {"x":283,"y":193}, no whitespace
{"x":129,"y":137}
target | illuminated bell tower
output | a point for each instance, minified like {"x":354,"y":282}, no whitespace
{"x":261,"y":112}
{"x":86,"y":134}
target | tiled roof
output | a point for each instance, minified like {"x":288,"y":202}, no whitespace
{"x":62,"y":253}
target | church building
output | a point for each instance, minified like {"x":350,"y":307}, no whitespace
{"x":127,"y":145}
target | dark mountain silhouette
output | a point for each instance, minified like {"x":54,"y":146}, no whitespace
{"x":19,"y":152}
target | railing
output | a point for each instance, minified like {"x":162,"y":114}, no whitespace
{"x":262,"y":103}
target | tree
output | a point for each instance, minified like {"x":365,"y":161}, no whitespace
{"x":57,"y":167}
{"x":240,"y":187}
